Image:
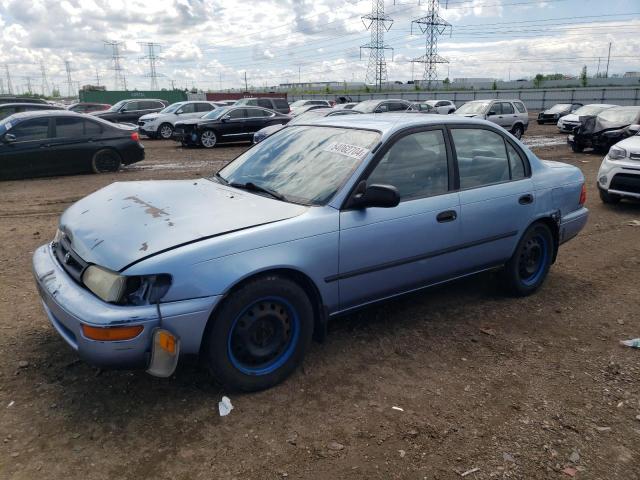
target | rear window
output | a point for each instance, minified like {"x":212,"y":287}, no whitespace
{"x":281,"y":103}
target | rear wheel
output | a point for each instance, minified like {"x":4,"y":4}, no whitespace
{"x":527,"y":269}
{"x":517,"y":131}
{"x":607,"y":197}
{"x":105,"y":161}
{"x":260,"y":334}
{"x":208,"y":139}
{"x":577,"y":148}
{"x":165,"y":131}
{"x":540,"y":122}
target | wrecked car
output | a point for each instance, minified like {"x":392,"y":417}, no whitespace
{"x":607,"y":128}
{"x":559,"y":110}
{"x":244,"y":267}
{"x":567,"y":123}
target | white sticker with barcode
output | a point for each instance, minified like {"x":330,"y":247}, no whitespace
{"x":352,"y":151}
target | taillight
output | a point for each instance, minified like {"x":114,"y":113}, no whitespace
{"x":583,"y":195}
{"x":135,"y":136}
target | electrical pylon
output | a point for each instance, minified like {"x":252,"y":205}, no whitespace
{"x":432,"y":25}
{"x":378,"y":23}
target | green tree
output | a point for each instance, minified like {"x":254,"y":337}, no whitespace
{"x":494,"y":86}
{"x":583,"y":76}
{"x":537,"y":80}
{"x":55,"y":93}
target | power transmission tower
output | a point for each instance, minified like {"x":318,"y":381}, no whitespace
{"x":9,"y":85}
{"x":1,"y":85}
{"x":606,"y":75}
{"x":119,"y":80}
{"x":97,"y":77}
{"x":152,"y":57}
{"x":378,"y":23}
{"x":67,"y":66}
{"x":432,"y":25}
{"x":29,"y":85}
{"x":43,"y":74}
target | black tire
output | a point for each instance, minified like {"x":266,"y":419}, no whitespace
{"x":106,"y":160}
{"x":609,"y":198}
{"x":517,"y":131}
{"x":450,"y":112}
{"x":577,"y":148}
{"x":527,"y":269}
{"x":208,"y":139}
{"x":540,"y":122}
{"x":270,"y":309}
{"x":165,"y":131}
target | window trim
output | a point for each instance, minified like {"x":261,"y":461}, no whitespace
{"x":523,"y":156}
{"x":380,"y":152}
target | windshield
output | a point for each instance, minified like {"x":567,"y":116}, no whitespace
{"x":560,"y":107}
{"x":308,"y":115}
{"x":591,"y":109}
{"x":305,"y":164}
{"x":619,"y":115}
{"x":216,"y":113}
{"x":117,"y":106}
{"x":368,"y":106}
{"x":473,"y":108}
{"x":172,"y":108}
{"x":298,"y":103}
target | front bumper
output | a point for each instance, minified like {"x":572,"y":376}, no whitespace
{"x":69,"y":306}
{"x":620,"y":177}
{"x":572,"y":223}
{"x":147,"y":130}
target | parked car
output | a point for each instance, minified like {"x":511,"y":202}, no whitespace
{"x":567,"y":123}
{"x":307,"y":108}
{"x":7,"y":109}
{"x":86,"y":107}
{"x":302,"y":118}
{"x":161,"y":124}
{"x":607,"y":128}
{"x":423,"y":108}
{"x":59,"y":142}
{"x":276,"y":104}
{"x":11,"y":99}
{"x":619,"y":175}
{"x":512,"y":115}
{"x":130,"y":111}
{"x":227,"y":103}
{"x":345,"y":106}
{"x":305,"y":103}
{"x":313,"y":222}
{"x":443,"y":107}
{"x":559,"y":110}
{"x":382,"y":106}
{"x":227,"y":124}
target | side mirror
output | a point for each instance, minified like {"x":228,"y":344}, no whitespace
{"x":382,"y":196}
{"x":225,"y":119}
{"x":9,"y":138}
{"x":179,"y":112}
{"x":491,"y":112}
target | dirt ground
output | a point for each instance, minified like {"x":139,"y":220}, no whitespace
{"x":510,"y":388}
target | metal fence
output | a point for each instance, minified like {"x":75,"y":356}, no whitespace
{"x":534,"y":99}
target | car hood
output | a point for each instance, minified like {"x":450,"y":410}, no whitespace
{"x":572,"y":117}
{"x":192,"y":121}
{"x":149,"y":116}
{"x":128,"y":221}
{"x":631,"y":144}
{"x":592,"y":125}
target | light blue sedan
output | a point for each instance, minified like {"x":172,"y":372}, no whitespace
{"x":245,"y":267}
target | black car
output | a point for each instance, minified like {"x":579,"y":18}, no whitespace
{"x":9,"y":99}
{"x":276,"y":104}
{"x":7,"y":109}
{"x":559,"y":110}
{"x":52,"y":142}
{"x":129,"y":111}
{"x":228,"y":124}
{"x":607,"y":128}
{"x":383,"y":106}
{"x":88,"y":107}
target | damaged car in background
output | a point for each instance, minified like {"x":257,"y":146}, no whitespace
{"x":559,"y":110}
{"x":602,"y":131}
{"x":243,"y":268}
{"x":567,"y":123}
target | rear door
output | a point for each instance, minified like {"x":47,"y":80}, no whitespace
{"x":28,"y":155}
{"x":496,"y":194}
{"x":72,"y":147}
{"x":189,"y":110}
{"x":509,"y":115}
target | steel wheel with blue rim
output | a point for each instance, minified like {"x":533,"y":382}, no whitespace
{"x":527,"y":269}
{"x":260,"y":333}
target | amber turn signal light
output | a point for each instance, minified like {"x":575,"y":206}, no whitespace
{"x":167,"y":342}
{"x":111,"y":334}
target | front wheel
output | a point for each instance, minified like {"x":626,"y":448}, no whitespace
{"x":260,"y":334}
{"x":517,"y":131}
{"x":208,"y":139}
{"x":576,"y":147}
{"x":105,"y":161}
{"x":527,"y":269}
{"x":165,"y":131}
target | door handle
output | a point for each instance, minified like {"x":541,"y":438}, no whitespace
{"x":446,"y":216}
{"x":525,"y":199}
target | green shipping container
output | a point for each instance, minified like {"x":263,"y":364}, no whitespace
{"x":111,"y":97}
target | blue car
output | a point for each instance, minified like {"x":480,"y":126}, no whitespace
{"x":244,"y":268}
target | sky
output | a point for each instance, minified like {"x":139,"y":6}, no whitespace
{"x":211,"y":44}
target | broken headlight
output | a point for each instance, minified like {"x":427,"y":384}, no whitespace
{"x":125,"y":290}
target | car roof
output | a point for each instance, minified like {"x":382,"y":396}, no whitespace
{"x":627,"y":108}
{"x":44,"y":106}
{"x":391,"y":122}
{"x":52,"y":112}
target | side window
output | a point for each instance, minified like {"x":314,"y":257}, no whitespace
{"x":441,"y":104}
{"x":398,"y":107}
{"x":132,"y":106}
{"x":494,"y":109}
{"x":281,"y":103}
{"x":416,"y":165}
{"x":482,"y":157}
{"x":37,"y":129}
{"x":204,"y":107}
{"x":238,"y":113}
{"x":507,"y":108}
{"x":515,"y":163}
{"x":69,"y":127}
{"x":383,"y":107}
{"x":92,"y":128}
{"x":520,"y":106}
{"x":264,"y":102}
{"x":188,"y":108}
{"x":255,"y":113}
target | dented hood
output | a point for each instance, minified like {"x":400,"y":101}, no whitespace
{"x":126,"y":222}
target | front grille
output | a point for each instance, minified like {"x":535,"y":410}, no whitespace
{"x":634,"y":156}
{"x":141,"y":124}
{"x":68,"y":259}
{"x":625,"y":182}
{"x":548,"y":116}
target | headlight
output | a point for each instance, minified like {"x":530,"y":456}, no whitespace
{"x":613,"y":133}
{"x":617,"y":153}
{"x":128,"y":290}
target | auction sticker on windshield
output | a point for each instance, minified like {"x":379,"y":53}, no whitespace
{"x":352,"y":151}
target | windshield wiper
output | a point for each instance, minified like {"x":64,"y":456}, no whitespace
{"x":257,"y":188}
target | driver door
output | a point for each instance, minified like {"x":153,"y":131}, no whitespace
{"x":28,"y":154}
{"x":386,"y":251}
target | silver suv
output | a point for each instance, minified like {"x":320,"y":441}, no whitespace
{"x":512,"y":115}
